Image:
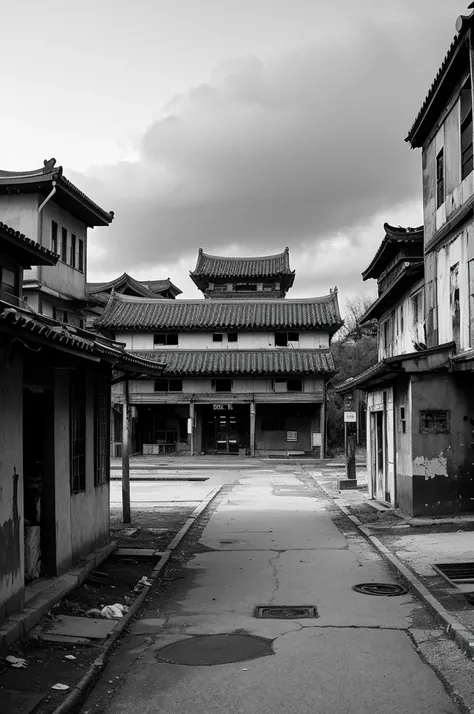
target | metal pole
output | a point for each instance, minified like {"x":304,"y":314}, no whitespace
{"x":126,"y":455}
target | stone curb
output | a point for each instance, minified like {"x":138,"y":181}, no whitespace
{"x":81,"y":689}
{"x":463,"y":637}
{"x":20,"y":624}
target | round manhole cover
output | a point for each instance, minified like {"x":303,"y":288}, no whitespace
{"x":387,"y":589}
{"x":215,"y":649}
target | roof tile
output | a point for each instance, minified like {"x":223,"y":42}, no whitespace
{"x":226,"y":362}
{"x":129,"y":313}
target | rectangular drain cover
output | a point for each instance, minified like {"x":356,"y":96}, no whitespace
{"x":456,"y":573}
{"x":286,"y":612}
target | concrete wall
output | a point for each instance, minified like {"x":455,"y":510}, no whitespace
{"x":11,"y":481}
{"x":204,"y":340}
{"x":443,"y":480}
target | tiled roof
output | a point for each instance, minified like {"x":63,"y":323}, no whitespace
{"x":214,"y":266}
{"x":47,"y":257}
{"x":129,"y":313}
{"x":161,"y":286}
{"x":226,"y":362}
{"x":462,"y":25}
{"x":44,"y":329}
{"x":44,"y":177}
{"x":394,"y":238}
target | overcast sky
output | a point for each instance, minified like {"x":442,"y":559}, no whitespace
{"x":239,"y":126}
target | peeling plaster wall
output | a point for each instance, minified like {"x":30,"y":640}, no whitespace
{"x":11,"y":481}
{"x":443,"y":463}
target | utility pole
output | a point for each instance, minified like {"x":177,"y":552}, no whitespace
{"x":126,"y":455}
{"x":350,"y":438}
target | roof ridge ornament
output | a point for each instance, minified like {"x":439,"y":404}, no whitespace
{"x":48,"y":165}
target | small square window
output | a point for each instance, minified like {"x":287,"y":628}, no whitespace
{"x":434,"y":421}
{"x":175,"y":385}
{"x":281,"y":339}
{"x":217,"y":337}
{"x":295,"y":385}
{"x":222,"y":385}
{"x":232,"y":337}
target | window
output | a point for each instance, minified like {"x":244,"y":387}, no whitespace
{"x":232,"y":337}
{"x":165,"y":338}
{"x":434,"y":421}
{"x":440,"y":179}
{"x":81,"y":255}
{"x":403,"y":420}
{"x":282,"y":384}
{"x":72,"y":261}
{"x":64,"y":245}
{"x":168,"y":385}
{"x":294,"y":385}
{"x":77,"y":428}
{"x":54,"y":236}
{"x":9,"y":284}
{"x":283,"y":338}
{"x":217,"y":337}
{"x":101,"y":431}
{"x":466,"y":130}
{"x":273,"y":425}
{"x":222,"y":385}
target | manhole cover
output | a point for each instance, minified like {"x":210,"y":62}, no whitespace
{"x":215,"y":649}
{"x":387,"y":589}
{"x":287,"y":612}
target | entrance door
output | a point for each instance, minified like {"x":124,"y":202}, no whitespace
{"x":226,"y":434}
{"x":377,"y":450}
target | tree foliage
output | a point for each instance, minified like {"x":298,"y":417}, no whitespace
{"x":354,"y":349}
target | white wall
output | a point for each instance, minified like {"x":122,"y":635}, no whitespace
{"x":459,"y":251}
{"x":403,"y":335}
{"x":204,"y":340}
{"x":20,"y":212}
{"x":240,"y":385}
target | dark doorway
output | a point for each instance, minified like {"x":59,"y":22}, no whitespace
{"x":226,"y":428}
{"x":38,"y":483}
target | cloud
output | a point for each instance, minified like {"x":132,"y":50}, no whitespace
{"x":297,"y":150}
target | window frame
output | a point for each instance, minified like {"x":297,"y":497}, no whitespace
{"x":440,"y":192}
{"x":101,"y":431}
{"x":77,"y":431}
{"x":219,"y":382}
{"x":434,"y":415}
{"x":166,"y":337}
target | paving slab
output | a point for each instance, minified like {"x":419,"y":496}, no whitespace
{"x":88,"y":627}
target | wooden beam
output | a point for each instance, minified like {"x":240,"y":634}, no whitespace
{"x":126,"y":455}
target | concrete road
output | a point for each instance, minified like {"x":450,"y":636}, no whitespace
{"x":272,"y":541}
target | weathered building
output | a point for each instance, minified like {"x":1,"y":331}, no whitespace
{"x":243,"y":375}
{"x":421,"y":413}
{"x":55,"y":382}
{"x":44,"y":205}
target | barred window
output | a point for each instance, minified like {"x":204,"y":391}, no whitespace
{"x":434,"y":421}
{"x":101,"y":431}
{"x":77,"y":426}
